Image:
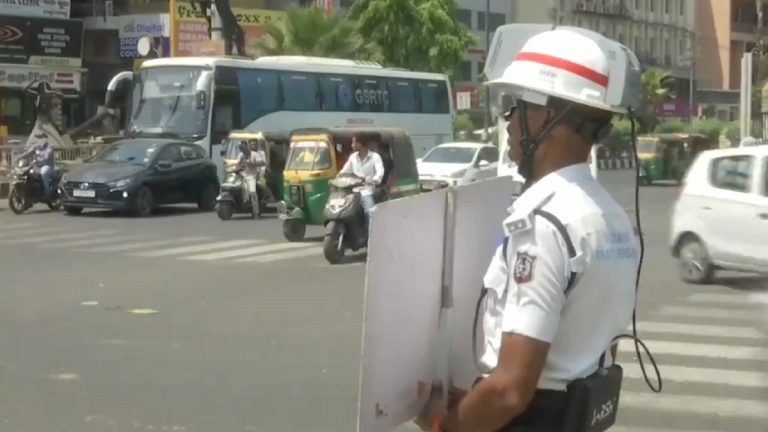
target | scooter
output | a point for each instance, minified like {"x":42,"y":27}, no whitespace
{"x":233,"y":197}
{"x":345,"y":218}
{"x":27,"y":188}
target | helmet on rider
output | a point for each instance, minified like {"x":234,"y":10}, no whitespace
{"x":559,"y":80}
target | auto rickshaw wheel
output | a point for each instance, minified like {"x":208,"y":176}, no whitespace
{"x":294,"y":230}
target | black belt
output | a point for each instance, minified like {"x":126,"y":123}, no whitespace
{"x":545,"y":413}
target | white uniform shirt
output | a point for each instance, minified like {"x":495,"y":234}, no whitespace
{"x":249,"y":162}
{"x":370,"y":167}
{"x":581,"y":325}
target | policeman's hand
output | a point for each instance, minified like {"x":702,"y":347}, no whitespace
{"x":435,"y":409}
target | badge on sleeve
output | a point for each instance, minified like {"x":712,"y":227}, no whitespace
{"x":524,"y":267}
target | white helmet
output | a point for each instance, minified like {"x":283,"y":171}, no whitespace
{"x":566,"y":63}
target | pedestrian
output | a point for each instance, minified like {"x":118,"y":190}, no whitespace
{"x":561,"y":286}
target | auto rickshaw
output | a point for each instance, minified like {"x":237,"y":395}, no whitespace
{"x":276,"y":152}
{"x":317,"y":155}
{"x":668,"y":156}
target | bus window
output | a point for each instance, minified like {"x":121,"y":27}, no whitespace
{"x":434,"y":97}
{"x":337,"y":93}
{"x":372,"y":95}
{"x":260,"y":91}
{"x":402,"y":96}
{"x":300,"y":91}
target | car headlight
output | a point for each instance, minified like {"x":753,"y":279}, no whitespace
{"x":119,"y":183}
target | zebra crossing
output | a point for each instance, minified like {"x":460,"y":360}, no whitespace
{"x":186,"y":248}
{"x":713,"y":359}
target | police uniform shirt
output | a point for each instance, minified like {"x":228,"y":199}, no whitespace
{"x":526,"y":292}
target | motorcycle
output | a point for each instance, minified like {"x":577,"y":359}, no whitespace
{"x":345,"y":218}
{"x":234,"y":199}
{"x":27,"y":188}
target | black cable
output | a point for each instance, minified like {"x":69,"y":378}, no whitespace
{"x":634,"y":336}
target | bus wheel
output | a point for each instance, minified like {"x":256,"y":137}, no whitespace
{"x":294,"y":230}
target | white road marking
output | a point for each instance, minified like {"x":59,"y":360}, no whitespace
{"x":733,"y":352}
{"x":71,"y":235}
{"x":699,"y":330}
{"x":76,"y":243}
{"x":283,"y":255}
{"x":730,"y":299}
{"x":17,"y":226}
{"x":197,"y":248}
{"x":710,"y":313}
{"x":247,"y":251}
{"x":33,"y":232}
{"x":145,"y":244}
{"x":683,"y":374}
{"x":699,"y":405}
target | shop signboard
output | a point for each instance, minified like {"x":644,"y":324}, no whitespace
{"x":41,"y":41}
{"x":189,"y":36}
{"x":134,"y":27}
{"x":37,"y":8}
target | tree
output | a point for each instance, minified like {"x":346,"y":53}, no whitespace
{"x":420,"y":35}
{"x":311,"y":32}
{"x":657,"y":88}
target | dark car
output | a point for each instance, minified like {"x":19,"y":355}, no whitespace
{"x":140,"y":174}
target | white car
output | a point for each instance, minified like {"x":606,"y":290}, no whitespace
{"x":457,"y":163}
{"x":720,"y":220}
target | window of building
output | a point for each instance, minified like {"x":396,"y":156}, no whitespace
{"x":481,"y":21}
{"x":651,"y":5}
{"x":666,"y":6}
{"x":732,"y":173}
{"x":682,"y":7}
{"x":496,"y":20}
{"x":465,"y":71}
{"x":638,"y":4}
{"x":464,"y":16}
{"x":480,"y":69}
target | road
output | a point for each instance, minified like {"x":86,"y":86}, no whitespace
{"x":253,"y":334}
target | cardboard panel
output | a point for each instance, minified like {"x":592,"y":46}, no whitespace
{"x":402,"y":310}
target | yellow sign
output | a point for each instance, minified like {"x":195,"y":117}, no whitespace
{"x":245,"y":17}
{"x":189,"y":29}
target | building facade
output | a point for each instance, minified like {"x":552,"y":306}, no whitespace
{"x":662,"y":33}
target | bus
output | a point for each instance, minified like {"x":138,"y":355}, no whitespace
{"x":201,"y":99}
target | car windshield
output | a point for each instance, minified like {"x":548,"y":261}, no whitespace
{"x":451,"y":155}
{"x":128,"y":152}
{"x":308,"y":156}
{"x":165,"y":102}
{"x":646,"y":145}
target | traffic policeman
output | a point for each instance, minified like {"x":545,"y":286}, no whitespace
{"x":562,"y":285}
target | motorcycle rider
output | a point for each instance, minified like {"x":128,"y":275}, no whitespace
{"x":251,"y":164}
{"x":365,"y":164}
{"x":43,"y":160}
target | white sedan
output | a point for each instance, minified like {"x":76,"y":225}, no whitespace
{"x":458,"y":163}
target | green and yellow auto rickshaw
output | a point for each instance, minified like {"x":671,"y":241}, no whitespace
{"x":668,"y":156}
{"x":276,"y":152}
{"x":317,"y":155}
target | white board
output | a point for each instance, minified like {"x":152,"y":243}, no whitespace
{"x":479,"y":212}
{"x":401,"y":310}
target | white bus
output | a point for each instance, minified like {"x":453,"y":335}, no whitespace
{"x":202,"y":98}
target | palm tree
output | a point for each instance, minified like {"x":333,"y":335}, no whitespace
{"x":310,"y":31}
{"x":657,"y":88}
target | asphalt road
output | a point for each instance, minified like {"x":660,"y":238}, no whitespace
{"x":253,"y":334}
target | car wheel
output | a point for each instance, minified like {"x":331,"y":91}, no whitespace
{"x":142,"y":207}
{"x":73,"y":211}
{"x":207,"y":201}
{"x":694,"y":263}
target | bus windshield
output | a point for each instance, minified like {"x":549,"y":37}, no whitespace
{"x":309,"y":156}
{"x":164,"y":101}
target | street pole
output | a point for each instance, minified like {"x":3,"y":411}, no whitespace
{"x":691,"y":77}
{"x":487,"y":112}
